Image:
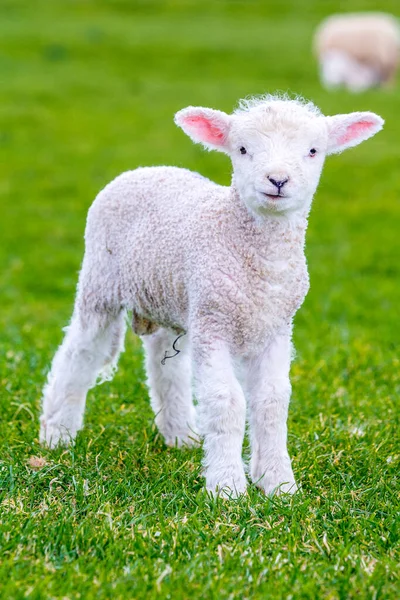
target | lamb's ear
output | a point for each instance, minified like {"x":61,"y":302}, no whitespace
{"x":345,"y":131}
{"x":205,"y":126}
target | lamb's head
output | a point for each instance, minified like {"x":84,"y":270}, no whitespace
{"x":277,"y":147}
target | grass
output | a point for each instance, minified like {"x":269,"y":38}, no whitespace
{"x":88,"y":90}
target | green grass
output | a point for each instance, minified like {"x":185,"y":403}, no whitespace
{"x":88,"y":90}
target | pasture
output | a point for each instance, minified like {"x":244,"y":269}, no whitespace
{"x":88,"y":90}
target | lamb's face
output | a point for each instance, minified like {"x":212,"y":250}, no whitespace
{"x":277,"y":147}
{"x":277,"y":156}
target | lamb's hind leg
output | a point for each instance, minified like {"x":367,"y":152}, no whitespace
{"x":170,"y":387}
{"x":89,"y":352}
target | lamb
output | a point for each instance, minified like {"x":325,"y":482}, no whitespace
{"x":358,"y":51}
{"x":221,"y":267}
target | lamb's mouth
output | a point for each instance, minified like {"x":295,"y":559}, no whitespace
{"x":273,"y":196}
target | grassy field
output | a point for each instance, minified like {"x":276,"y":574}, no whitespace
{"x":89,"y":89}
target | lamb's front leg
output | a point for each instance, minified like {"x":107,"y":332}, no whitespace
{"x":268,"y":395}
{"x":222,"y":418}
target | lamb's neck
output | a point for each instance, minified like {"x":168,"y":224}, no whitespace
{"x":273,"y":232}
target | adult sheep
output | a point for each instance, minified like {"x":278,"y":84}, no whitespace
{"x":225,"y":266}
{"x":358,"y":51}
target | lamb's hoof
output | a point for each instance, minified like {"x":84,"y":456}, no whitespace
{"x":52,"y":435}
{"x":289,"y":487}
{"x":228,"y":487}
{"x":187,"y":439}
{"x":273,"y":484}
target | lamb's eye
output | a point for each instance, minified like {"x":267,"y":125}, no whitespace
{"x":243,"y":150}
{"x":313,"y":152}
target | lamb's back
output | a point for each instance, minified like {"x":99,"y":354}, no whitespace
{"x":168,"y":191}
{"x":144,"y":230}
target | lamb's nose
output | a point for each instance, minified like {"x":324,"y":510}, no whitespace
{"x":279,"y":183}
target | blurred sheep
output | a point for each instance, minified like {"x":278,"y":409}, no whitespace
{"x":358,"y":51}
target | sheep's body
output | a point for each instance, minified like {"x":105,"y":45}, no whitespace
{"x":225,"y":266}
{"x":358,"y":50}
{"x":237,"y":277}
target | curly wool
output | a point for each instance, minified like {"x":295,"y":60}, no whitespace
{"x":237,"y":277}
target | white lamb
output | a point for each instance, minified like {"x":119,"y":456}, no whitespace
{"x":359,"y":50}
{"x":223,"y":265}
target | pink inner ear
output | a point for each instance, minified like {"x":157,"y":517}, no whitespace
{"x":205,"y":130}
{"x":354,"y":131}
